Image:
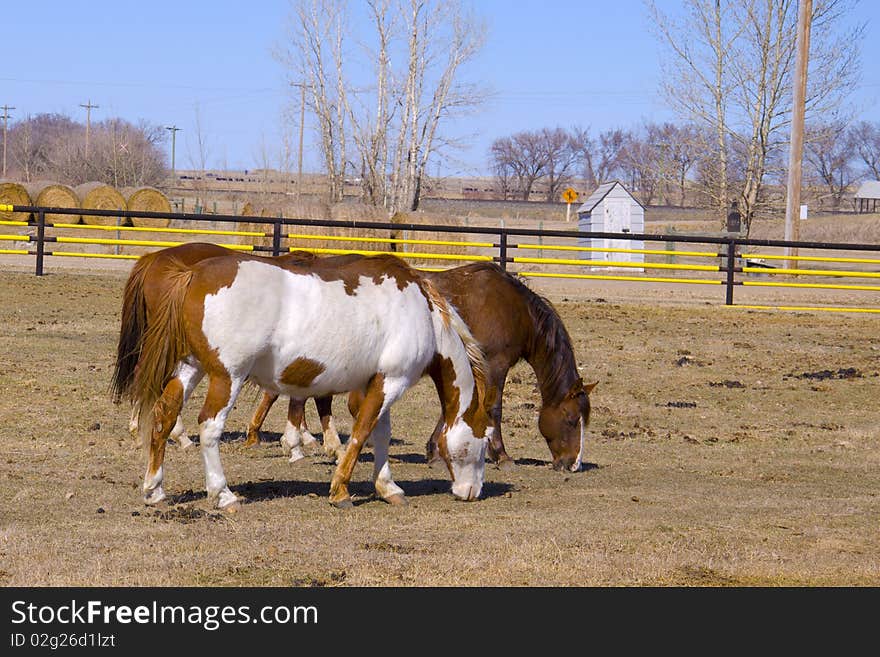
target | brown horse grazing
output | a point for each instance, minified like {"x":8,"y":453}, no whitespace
{"x":510,"y":322}
{"x":239,"y":317}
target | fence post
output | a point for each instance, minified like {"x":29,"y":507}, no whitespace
{"x":41,"y":240}
{"x":502,"y":249}
{"x":276,"y":239}
{"x":731,"y":264}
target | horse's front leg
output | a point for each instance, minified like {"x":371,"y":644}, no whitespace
{"x":385,"y":486}
{"x":496,"y":452}
{"x":259,"y":416}
{"x":162,"y":417}
{"x":380,"y":393}
{"x":222,"y":391}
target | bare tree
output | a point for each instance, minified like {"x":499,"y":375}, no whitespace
{"x":830,"y":154}
{"x":600,"y":159}
{"x":523,"y":158}
{"x":394,"y":124}
{"x":866,"y":137}
{"x":729,"y":68}
{"x":561,"y":157}
{"x":639,"y":161}
{"x":316,"y":34}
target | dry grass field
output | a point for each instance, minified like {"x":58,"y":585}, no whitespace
{"x":727,"y":448}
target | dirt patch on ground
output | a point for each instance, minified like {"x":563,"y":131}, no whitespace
{"x":728,"y":447}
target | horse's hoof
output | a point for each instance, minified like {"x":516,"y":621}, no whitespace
{"x":398,"y":499}
{"x":185,"y":443}
{"x":434,"y":460}
{"x":296,"y":454}
{"x":251,"y":442}
{"x":154,"y":497}
{"x":308,"y":438}
{"x":506,"y":464}
{"x":232,"y":508}
{"x":343,"y":504}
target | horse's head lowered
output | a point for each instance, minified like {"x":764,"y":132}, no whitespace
{"x":564,"y":426}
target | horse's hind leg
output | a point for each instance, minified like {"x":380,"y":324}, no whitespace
{"x":259,"y":416}
{"x":385,"y":486}
{"x":165,"y":410}
{"x":189,"y":374}
{"x":332,"y":443}
{"x":222,"y":392}
{"x":292,"y":439}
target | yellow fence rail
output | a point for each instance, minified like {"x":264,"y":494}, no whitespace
{"x":732,"y":268}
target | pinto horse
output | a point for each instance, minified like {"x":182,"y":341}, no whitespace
{"x":510,"y":322}
{"x":148,"y":283}
{"x":305,"y":330}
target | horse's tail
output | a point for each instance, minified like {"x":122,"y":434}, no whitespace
{"x":455,"y":325}
{"x":134,"y":324}
{"x":163,"y":344}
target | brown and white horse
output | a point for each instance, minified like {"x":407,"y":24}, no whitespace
{"x":305,"y":330}
{"x":510,"y":322}
{"x":147,"y":282}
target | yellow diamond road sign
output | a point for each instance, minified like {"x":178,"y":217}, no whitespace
{"x":569,"y":195}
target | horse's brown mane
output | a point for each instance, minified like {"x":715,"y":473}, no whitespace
{"x":550,"y":350}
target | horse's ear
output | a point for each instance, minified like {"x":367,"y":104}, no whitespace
{"x":588,"y":387}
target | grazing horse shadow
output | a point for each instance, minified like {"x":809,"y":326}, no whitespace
{"x":261,"y":491}
{"x":539,"y":463}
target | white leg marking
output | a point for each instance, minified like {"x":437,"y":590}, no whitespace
{"x":381,"y":436}
{"x":153,"y":492}
{"x":209,"y":437}
{"x":291,"y":442}
{"x":178,"y":433}
{"x":577,"y":464}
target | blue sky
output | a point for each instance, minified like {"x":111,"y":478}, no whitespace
{"x":550,"y":63}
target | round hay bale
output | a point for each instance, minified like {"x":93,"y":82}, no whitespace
{"x":249,"y":210}
{"x":13,"y":193}
{"x":100,"y":196}
{"x":147,"y":199}
{"x":54,"y":195}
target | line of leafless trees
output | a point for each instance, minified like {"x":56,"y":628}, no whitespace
{"x":669,"y":164}
{"x":55,"y":147}
{"x":379,"y":104}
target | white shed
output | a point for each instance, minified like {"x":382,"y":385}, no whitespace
{"x":612,"y":209}
{"x":868,"y":197}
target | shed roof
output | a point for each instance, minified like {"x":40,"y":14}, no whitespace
{"x":601,"y":192}
{"x":869,"y":189}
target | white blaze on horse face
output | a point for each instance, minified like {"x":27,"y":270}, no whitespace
{"x":467,"y":455}
{"x":576,"y":466}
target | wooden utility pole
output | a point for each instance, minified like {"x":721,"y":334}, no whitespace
{"x":173,"y":129}
{"x":89,"y":107}
{"x":796,"y":151}
{"x":302,"y":120}
{"x":6,"y":109}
